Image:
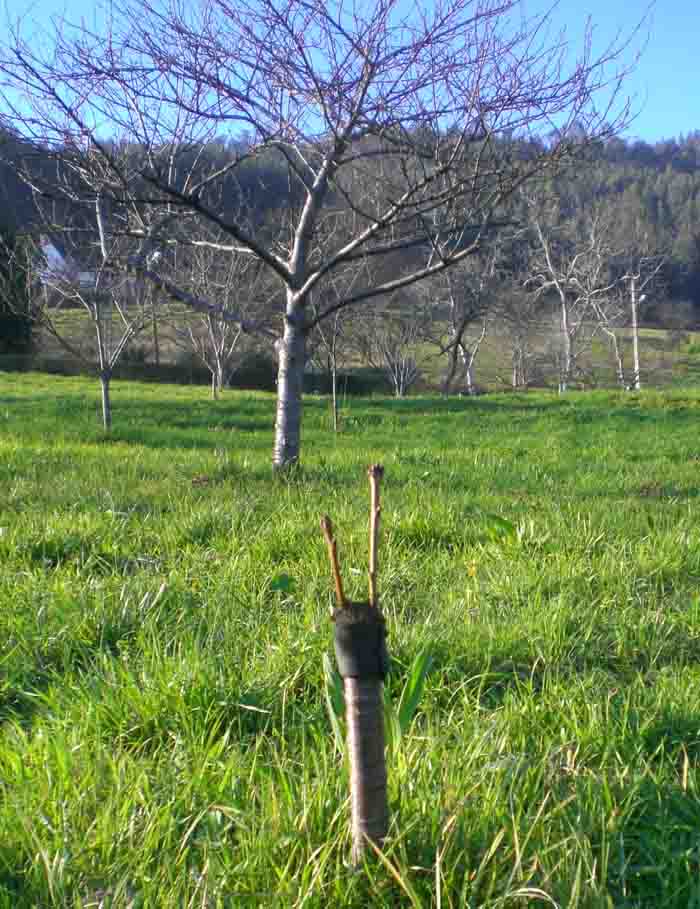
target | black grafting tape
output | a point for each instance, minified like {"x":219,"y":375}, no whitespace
{"x":360,"y":641}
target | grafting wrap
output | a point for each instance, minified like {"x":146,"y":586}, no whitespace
{"x":363,"y":661}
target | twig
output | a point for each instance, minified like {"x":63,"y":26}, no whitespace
{"x":375,"y":473}
{"x":327,"y":528}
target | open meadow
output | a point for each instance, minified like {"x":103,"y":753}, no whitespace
{"x":165,"y":735}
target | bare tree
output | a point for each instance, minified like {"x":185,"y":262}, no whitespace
{"x":572,"y":260}
{"x":611,"y":314}
{"x":516,"y":316}
{"x":330,"y":337}
{"x":464,"y":295}
{"x":400,"y":116}
{"x":469,"y":350}
{"x":642,"y":272}
{"x":389,"y":341}
{"x":600,"y":279}
{"x":238,"y":285}
{"x":116,"y":306}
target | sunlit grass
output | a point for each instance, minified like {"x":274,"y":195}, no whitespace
{"x":164,"y":739}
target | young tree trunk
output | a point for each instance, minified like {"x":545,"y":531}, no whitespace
{"x":334,"y":392}
{"x":368,"y":779}
{"x":518,"y":379}
{"x":469,"y":380}
{"x":217,"y":380}
{"x":637,"y":379}
{"x":290,"y":381}
{"x":451,"y":370}
{"x":468,"y":364}
{"x":619,"y":364}
{"x":105,"y":378}
{"x":156,"y":339}
{"x":469,"y":359}
{"x":565,"y":373}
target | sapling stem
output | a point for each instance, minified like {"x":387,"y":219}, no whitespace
{"x":375,"y":473}
{"x":363,"y":661}
{"x":327,"y":528}
{"x":369,"y":810}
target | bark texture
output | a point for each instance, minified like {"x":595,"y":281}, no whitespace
{"x":106,"y":403}
{"x":634,"y":302}
{"x":290,"y":381}
{"x":368,"y":780}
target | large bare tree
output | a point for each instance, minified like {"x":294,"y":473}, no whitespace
{"x":415,"y":121}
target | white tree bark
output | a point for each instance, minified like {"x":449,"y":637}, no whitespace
{"x":565,"y":364}
{"x":290,"y":383}
{"x":105,"y":381}
{"x":634,"y":305}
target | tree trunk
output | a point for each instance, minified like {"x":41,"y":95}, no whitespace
{"x":334,"y":393}
{"x":469,"y":356}
{"x":455,"y":337}
{"x":637,"y":378}
{"x":619,"y":364}
{"x":217,"y":380}
{"x":156,"y":340}
{"x":565,"y":374}
{"x":105,"y":379}
{"x":290,"y":381}
{"x":469,"y":380}
{"x":451,"y":370}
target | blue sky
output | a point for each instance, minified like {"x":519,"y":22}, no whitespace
{"x":665,"y":84}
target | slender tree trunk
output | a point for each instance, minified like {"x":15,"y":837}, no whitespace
{"x":290,"y":381}
{"x":105,"y":379}
{"x":566,"y":349}
{"x":217,"y":380}
{"x":451,"y":370}
{"x":468,"y":371}
{"x":469,"y":359}
{"x":156,"y":340}
{"x":619,"y":363}
{"x":455,"y":337}
{"x":637,"y":379}
{"x":469,"y":380}
{"x":620,"y":371}
{"x":334,"y":392}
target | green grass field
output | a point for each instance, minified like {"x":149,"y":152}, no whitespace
{"x":164,"y":738}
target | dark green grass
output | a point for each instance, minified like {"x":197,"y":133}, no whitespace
{"x":163,"y":734}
